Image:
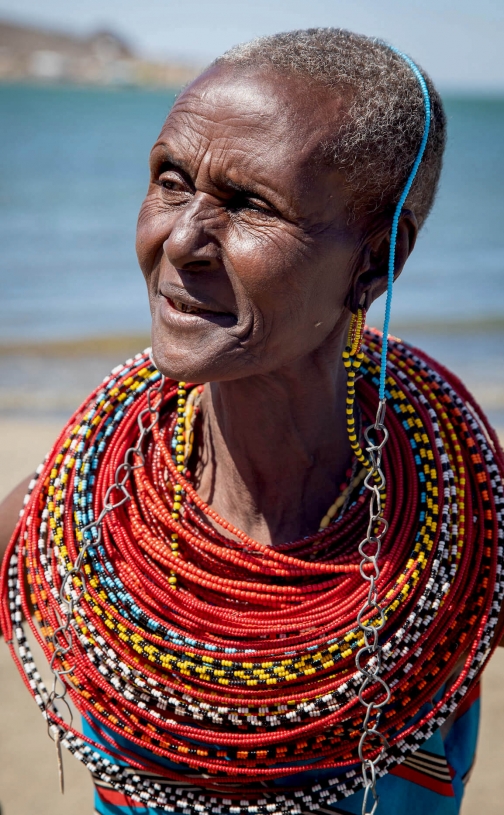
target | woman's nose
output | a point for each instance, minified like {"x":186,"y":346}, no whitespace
{"x":191,"y":246}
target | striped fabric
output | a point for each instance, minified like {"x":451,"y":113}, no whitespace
{"x":431,"y":780}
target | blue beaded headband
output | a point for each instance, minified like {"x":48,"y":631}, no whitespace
{"x":397,"y":214}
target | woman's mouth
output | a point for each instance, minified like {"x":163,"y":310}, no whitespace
{"x":224,"y":318}
{"x":185,"y":309}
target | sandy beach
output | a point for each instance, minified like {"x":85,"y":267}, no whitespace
{"x":28,"y":770}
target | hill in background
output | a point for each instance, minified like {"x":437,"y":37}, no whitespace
{"x":30,"y":54}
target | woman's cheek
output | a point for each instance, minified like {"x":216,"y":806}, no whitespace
{"x":153,"y":227}
{"x":267,"y":258}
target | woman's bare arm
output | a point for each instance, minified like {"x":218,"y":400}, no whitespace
{"x":9,"y":513}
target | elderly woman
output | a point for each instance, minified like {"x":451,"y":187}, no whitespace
{"x":260,"y":597}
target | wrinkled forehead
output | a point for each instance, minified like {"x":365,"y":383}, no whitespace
{"x":260,"y":120}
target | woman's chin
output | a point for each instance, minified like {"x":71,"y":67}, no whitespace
{"x":197,"y":357}
{"x":190,"y":348}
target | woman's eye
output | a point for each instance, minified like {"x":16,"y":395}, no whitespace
{"x":258,"y":206}
{"x":172,"y":183}
{"x":253,"y":204}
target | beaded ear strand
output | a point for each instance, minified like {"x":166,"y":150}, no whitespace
{"x":178,"y":446}
{"x":352,"y":360}
{"x":182,"y":445}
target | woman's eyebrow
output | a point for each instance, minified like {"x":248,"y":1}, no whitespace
{"x":161,"y":153}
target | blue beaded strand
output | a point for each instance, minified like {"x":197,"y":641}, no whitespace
{"x":397,"y":214}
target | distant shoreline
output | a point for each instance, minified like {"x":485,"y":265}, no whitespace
{"x":43,"y":85}
{"x":127,"y":344}
{"x":452,"y":94}
{"x":80,"y":346}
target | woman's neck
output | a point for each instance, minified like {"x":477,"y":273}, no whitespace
{"x":275,"y":448}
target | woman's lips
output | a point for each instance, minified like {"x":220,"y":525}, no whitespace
{"x":187,"y":309}
{"x":191,"y":312}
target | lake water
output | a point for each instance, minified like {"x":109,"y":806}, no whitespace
{"x":73,"y":172}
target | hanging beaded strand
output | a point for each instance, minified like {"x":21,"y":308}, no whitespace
{"x":179,"y":457}
{"x":182,"y":445}
{"x":398,"y":210}
{"x":352,"y":360}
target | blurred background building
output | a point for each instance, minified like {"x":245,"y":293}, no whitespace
{"x":31,"y":53}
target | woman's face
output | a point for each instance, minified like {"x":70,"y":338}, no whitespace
{"x":243,"y":237}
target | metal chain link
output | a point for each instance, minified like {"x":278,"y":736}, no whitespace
{"x":371,"y":619}
{"x":73,"y":585}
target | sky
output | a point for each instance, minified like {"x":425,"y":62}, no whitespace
{"x":459,"y":42}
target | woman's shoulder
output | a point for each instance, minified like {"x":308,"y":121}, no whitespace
{"x":125,"y":381}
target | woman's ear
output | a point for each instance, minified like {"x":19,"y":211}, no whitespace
{"x":371,"y":273}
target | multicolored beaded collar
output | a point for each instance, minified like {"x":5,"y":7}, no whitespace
{"x":231,"y":658}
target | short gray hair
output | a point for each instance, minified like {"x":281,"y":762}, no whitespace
{"x":377,"y":142}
